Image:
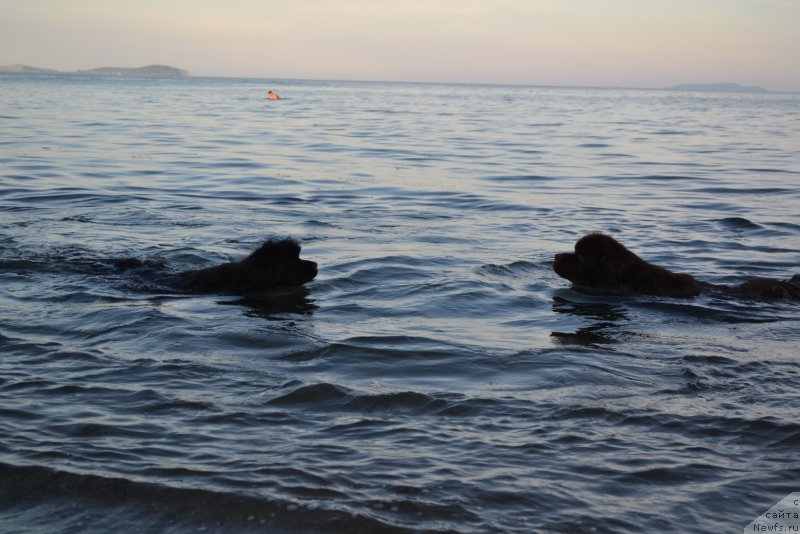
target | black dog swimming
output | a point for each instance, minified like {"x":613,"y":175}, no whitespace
{"x":274,"y":264}
{"x":601,"y":262}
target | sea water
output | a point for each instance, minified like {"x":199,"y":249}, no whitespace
{"x":437,"y":376}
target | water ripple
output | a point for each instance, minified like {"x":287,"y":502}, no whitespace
{"x":437,"y":376}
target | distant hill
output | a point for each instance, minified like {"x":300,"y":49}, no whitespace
{"x":150,"y":71}
{"x":719,"y":87}
{"x":26,"y":69}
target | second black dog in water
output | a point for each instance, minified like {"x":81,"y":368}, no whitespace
{"x":601,"y":262}
{"x":276,"y":263}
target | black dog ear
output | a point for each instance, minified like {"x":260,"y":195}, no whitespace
{"x":593,"y":248}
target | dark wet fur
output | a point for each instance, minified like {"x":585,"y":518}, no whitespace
{"x":601,"y":262}
{"x":276,"y":263}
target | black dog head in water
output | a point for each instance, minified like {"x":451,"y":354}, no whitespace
{"x":273,"y":264}
{"x":601,"y":262}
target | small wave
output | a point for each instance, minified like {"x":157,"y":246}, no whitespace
{"x":73,"y":197}
{"x":739,"y":223}
{"x":708,"y":359}
{"x":320,"y":394}
{"x":329,"y":397}
{"x":399,"y":403}
{"x":617,"y":155}
{"x":678,"y":474}
{"x":778,"y":191}
{"x":514,"y":268}
{"x":671,"y":132}
{"x":520,"y":178}
{"x":671,"y":178}
{"x":72,"y":502}
{"x":772,"y":170}
{"x":587,"y":412}
{"x":238,"y":164}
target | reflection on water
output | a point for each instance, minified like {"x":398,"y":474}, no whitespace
{"x":276,"y":304}
{"x":606,"y":322}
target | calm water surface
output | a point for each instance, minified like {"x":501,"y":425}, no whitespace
{"x":437,"y":376}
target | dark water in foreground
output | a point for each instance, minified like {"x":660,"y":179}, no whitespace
{"x":437,"y":376}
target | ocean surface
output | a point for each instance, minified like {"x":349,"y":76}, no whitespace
{"x":437,"y":376}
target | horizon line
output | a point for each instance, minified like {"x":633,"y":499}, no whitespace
{"x":410,"y":82}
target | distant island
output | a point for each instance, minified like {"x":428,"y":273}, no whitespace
{"x":25,"y":69}
{"x":719,"y":87}
{"x":150,"y":71}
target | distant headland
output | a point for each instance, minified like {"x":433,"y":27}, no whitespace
{"x":719,"y":87}
{"x":150,"y":71}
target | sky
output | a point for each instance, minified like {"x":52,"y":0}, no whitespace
{"x":605,"y":43}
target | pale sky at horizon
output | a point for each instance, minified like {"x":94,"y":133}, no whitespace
{"x":620,"y":43}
